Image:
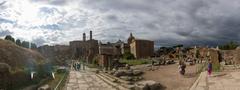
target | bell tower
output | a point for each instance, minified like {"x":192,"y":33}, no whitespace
{"x":90,"y":35}
{"x":84,"y":37}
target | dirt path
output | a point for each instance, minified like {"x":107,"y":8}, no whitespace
{"x":169,"y":77}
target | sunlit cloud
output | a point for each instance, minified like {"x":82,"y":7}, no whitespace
{"x":167,"y":22}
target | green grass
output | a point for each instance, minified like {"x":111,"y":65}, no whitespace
{"x":92,"y":66}
{"x":58,"y":77}
{"x":216,"y":67}
{"x":136,"y":61}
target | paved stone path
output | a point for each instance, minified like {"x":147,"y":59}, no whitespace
{"x":86,"y":80}
{"x":228,"y":81}
{"x":218,"y":81}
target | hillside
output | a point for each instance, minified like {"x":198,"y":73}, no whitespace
{"x":15,"y":65}
{"x":18,"y":57}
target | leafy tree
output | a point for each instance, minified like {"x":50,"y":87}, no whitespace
{"x":128,"y":56}
{"x":229,"y":46}
{"x":25,"y":44}
{"x":18,"y":42}
{"x":164,"y":51}
{"x":179,"y":45}
{"x":33,"y":45}
{"x":10,"y":38}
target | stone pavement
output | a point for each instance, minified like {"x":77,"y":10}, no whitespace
{"x":86,"y":80}
{"x":225,"y":81}
{"x":218,"y":81}
{"x":201,"y":82}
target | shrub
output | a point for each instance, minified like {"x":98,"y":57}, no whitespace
{"x":128,"y":56}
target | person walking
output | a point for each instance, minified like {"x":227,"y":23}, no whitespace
{"x":152,"y":65}
{"x":182,"y":67}
{"x":83,"y":64}
{"x":79,"y":63}
{"x":209,"y":68}
{"x":74,"y":66}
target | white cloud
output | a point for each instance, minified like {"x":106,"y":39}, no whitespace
{"x":169,"y":22}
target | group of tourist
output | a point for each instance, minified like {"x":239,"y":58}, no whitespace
{"x":182,"y":67}
{"x":77,"y":66}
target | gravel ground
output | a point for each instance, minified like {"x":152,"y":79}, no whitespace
{"x":170,"y":78}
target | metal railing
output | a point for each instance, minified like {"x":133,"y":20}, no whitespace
{"x":62,"y":81}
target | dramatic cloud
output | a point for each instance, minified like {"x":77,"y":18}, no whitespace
{"x":168,"y":22}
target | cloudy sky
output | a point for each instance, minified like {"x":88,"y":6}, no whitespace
{"x":168,"y":22}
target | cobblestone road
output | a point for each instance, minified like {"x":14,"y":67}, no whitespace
{"x":85,"y":80}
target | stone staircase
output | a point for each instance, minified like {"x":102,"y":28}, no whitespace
{"x":113,"y":81}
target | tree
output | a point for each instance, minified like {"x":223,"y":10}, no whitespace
{"x":25,"y":44}
{"x":128,"y":56}
{"x":164,"y":51}
{"x":33,"y":45}
{"x":18,"y":42}
{"x":179,"y":45}
{"x":229,"y":46}
{"x":10,"y":38}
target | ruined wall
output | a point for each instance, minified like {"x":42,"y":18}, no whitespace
{"x":237,"y":56}
{"x":228,"y":56}
{"x":214,"y":56}
{"x":84,"y":49}
{"x":57,"y":54}
{"x":142,"y":48}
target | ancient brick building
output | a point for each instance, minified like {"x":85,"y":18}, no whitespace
{"x":86,"y":49}
{"x":141,"y":48}
{"x":107,"y":53}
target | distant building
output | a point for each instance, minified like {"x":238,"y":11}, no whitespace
{"x":57,"y":54}
{"x":85,"y":49}
{"x":141,"y":48}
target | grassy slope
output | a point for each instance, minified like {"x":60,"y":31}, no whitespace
{"x":18,"y":57}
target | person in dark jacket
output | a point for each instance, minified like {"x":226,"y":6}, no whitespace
{"x":182,"y":67}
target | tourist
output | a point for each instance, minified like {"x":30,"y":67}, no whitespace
{"x":182,"y":67}
{"x":209,"y":68}
{"x":78,"y":66}
{"x":74,"y":66}
{"x":152,"y":65}
{"x":83,"y":64}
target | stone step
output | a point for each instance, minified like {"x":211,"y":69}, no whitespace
{"x":121,"y":82}
{"x":110,"y":82}
{"x":118,"y":79}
